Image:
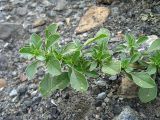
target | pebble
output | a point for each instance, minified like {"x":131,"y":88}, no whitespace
{"x":101,"y":96}
{"x":61,"y":4}
{"x":127,"y":114}
{"x":27,"y":103}
{"x":51,"y":14}
{"x":156,"y":9}
{"x":98,"y":103}
{"x":114,"y":77}
{"x":106,"y":100}
{"x":101,"y":83}
{"x":13,"y":93}
{"x":3,"y":62}
{"x":39,"y":22}
{"x":22,"y":89}
{"x":115,"y":11}
{"x":2,"y":83}
{"x":7,"y":29}
{"x":21,"y":11}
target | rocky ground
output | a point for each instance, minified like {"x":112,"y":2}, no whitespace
{"x":20,"y":99}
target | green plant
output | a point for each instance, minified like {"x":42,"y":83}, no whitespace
{"x":73,"y":63}
{"x":63,"y":65}
{"x":141,"y":66}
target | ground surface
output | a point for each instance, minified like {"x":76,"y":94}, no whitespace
{"x":20,"y":100}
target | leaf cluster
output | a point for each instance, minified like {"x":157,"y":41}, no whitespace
{"x":72,"y":64}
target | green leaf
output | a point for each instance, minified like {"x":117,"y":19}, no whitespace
{"x":36,"y":40}
{"x":155,"y":46}
{"x":135,"y":57}
{"x":69,"y":49}
{"x":53,"y":67}
{"x":93,"y":66}
{"x":31,"y":70}
{"x":49,"y":84}
{"x":95,"y":39}
{"x":52,"y":39}
{"x":112,"y":68}
{"x":130,"y":40}
{"x":103,"y":31}
{"x":92,"y":74}
{"x":143,"y":80}
{"x":78,"y":81}
{"x":142,"y":39}
{"x":125,"y":63}
{"x":151,"y":69}
{"x":40,"y":57}
{"x":26,"y":50}
{"x":147,"y":94}
{"x":51,"y":29}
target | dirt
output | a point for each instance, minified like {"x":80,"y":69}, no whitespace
{"x":127,"y":16}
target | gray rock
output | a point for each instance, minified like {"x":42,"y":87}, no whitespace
{"x":22,"y":11}
{"x":68,"y":12}
{"x":156,"y":9}
{"x":51,"y":14}
{"x":127,"y":114}
{"x":6,"y":30}
{"x":100,"y":83}
{"x":13,"y":93}
{"x":101,"y":96}
{"x":15,"y":99}
{"x":18,"y":1}
{"x":106,"y":100}
{"x":157,"y":112}
{"x":27,"y":103}
{"x":3,"y":63}
{"x":114,"y":77}
{"x":22,"y":90}
{"x":115,"y":11}
{"x":61,"y":4}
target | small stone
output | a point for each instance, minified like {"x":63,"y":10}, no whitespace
{"x":158,"y":112}
{"x":156,"y":9}
{"x":51,"y":14}
{"x":116,"y":109}
{"x":106,"y":100}
{"x":39,"y":22}
{"x":15,"y":99}
{"x":101,"y":96}
{"x":60,"y":5}
{"x":2,"y":83}
{"x":127,"y":114}
{"x":101,"y":83}
{"x":22,"y":89}
{"x":68,"y":13}
{"x":98,"y":103}
{"x":36,"y":100}
{"x":104,"y":1}
{"x":8,"y":29}
{"x":27,"y":103}
{"x":114,"y":77}
{"x":35,"y":30}
{"x":115,"y":11}
{"x":21,"y":11}
{"x":68,"y":21}
{"x":18,"y":1}
{"x":22,"y":77}
{"x":93,"y":17}
{"x":128,"y":89}
{"x":3,"y":63}
{"x":13,"y":93}
{"x":103,"y":104}
{"x":97,"y":116}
